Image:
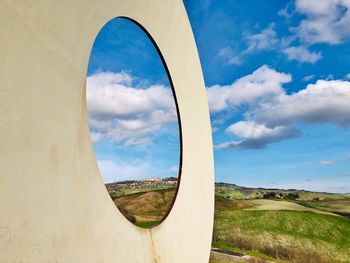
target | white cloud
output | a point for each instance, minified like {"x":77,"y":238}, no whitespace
{"x":347,"y":76}
{"x":109,"y":94}
{"x":322,"y":102}
{"x":230,"y":56}
{"x":271,"y":113}
{"x":263,"y":82}
{"x":286,"y":11}
{"x":302,"y":54}
{"x":268,"y":40}
{"x":252,"y":130}
{"x":122,"y":113}
{"x":256,"y":136}
{"x":288,"y":40}
{"x":328,"y":21}
{"x":265,"y":40}
{"x":102,"y":79}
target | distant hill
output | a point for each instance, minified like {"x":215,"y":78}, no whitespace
{"x":227,"y":190}
{"x":117,"y":189}
{"x":253,"y":221}
{"x":160,"y":192}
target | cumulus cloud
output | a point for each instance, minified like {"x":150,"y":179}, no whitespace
{"x":328,"y":21}
{"x":252,"y":130}
{"x":122,"y":113}
{"x":274,"y":117}
{"x":256,"y":136}
{"x":262,"y":83}
{"x":265,"y":40}
{"x":326,"y":101}
{"x":302,"y":54}
{"x":111,"y":94}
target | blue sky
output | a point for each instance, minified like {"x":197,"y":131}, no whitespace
{"x":277,"y":77}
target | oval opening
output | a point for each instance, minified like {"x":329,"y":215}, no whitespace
{"x":134,"y":122}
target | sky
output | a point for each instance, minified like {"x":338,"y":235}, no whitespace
{"x":278,"y":82}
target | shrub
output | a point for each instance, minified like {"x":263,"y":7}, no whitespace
{"x":269,"y":195}
{"x":292,"y":196}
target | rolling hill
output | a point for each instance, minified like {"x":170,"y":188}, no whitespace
{"x":270,"y":224}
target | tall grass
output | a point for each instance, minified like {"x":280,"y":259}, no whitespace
{"x":293,"y":236}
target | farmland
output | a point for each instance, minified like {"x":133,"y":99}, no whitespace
{"x":267,"y":224}
{"x":283,"y":234}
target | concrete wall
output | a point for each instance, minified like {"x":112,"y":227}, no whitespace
{"x":53,"y":204}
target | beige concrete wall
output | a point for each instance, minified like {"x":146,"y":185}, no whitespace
{"x":53,"y":204}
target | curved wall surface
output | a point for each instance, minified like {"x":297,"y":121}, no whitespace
{"x":53,"y":204}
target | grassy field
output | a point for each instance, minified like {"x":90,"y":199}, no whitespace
{"x":126,"y":192}
{"x":288,"y":235}
{"x":308,"y":229}
{"x":273,"y":205}
{"x":340,"y":206}
{"x":146,"y":209}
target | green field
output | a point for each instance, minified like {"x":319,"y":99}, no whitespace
{"x":341,"y":206}
{"x":273,"y":205}
{"x":310,"y":227}
{"x":287,"y":235}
